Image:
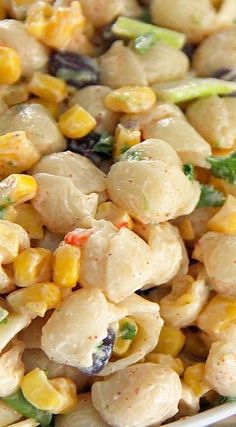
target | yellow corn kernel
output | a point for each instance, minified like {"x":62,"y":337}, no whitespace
{"x":33,"y":265}
{"x":194,"y":377}
{"x":17,"y":153}
{"x":76,"y":122}
{"x":35,"y":300}
{"x":219,"y":314}
{"x":66,"y":266}
{"x":3,"y":12}
{"x":112,"y":213}
{"x":48,"y":87}
{"x":224,"y":221}
{"x":28,"y":218}
{"x":51,"y":106}
{"x":56,"y":396}
{"x":10,"y":68}
{"x":125,"y":139}
{"x":175,"y":363}
{"x":131,"y":99}
{"x":171,"y":341}
{"x":55,"y":26}
{"x":223,"y":186}
{"x":186,"y":230}
{"x":127,"y":331}
{"x":17,"y":188}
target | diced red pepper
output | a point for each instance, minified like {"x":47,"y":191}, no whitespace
{"x":78,"y":237}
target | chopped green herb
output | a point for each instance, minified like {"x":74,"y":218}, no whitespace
{"x":130,"y":29}
{"x":224,"y":167}
{"x":104,"y":145}
{"x":124,"y":148}
{"x":18,"y":402}
{"x":127,"y":331}
{"x":210,"y":197}
{"x":143,"y":44}
{"x":6,"y":201}
{"x":224,"y":399}
{"x":132,"y":155}
{"x":188,"y":170}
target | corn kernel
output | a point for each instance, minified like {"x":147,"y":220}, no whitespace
{"x":223,"y":186}
{"x":56,"y":396}
{"x":51,"y":106}
{"x":17,"y":153}
{"x":55,"y":26}
{"x":33,"y":265}
{"x":115,"y":215}
{"x":125,"y":139}
{"x":127,"y":331}
{"x":66,"y":266}
{"x":194,"y":377}
{"x":48,"y":87}
{"x":224,"y":221}
{"x":131,"y":99}
{"x":171,"y":341}
{"x":15,"y":94}
{"x":35,"y":300}
{"x":174,"y":363}
{"x":186,"y":230}
{"x":218,"y":315}
{"x":76,"y":122}
{"x":17,"y":188}
{"x":10,"y":69}
{"x":28,"y":218}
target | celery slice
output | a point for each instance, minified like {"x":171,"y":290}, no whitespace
{"x":184,"y":90}
{"x":130,"y":29}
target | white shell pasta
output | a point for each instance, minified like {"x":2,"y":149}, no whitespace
{"x":60,"y":205}
{"x":40,"y":127}
{"x":84,"y":415}
{"x":116,"y":261}
{"x":82,"y":172}
{"x":151,"y":190}
{"x":122,"y":398}
{"x":86,"y":316}
{"x":189,"y":145}
{"x":33,"y":54}
{"x":99,"y":12}
{"x":15,"y":323}
{"x":8,"y":415}
{"x":91,"y":98}
{"x":221,"y":368}
{"x":146,"y":315}
{"x":181,"y":307}
{"x":167,"y":251}
{"x":217,"y":252}
{"x":11,"y":369}
{"x":189,"y":403}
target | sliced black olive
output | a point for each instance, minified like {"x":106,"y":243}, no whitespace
{"x":95,"y":146}
{"x":102,"y":355}
{"x":77,"y":70}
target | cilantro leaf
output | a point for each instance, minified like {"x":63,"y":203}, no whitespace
{"x":143,"y":44}
{"x":104,"y":145}
{"x":224,"y":167}
{"x":128,"y":331}
{"x":210,"y":197}
{"x":188,"y":170}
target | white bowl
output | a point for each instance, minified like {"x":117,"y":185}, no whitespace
{"x":209,"y":417}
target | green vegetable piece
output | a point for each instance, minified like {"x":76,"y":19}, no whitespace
{"x":132,"y":155}
{"x":184,"y":90}
{"x":224,"y":399}
{"x":104,"y":145}
{"x":188,"y":170}
{"x":3,"y":315}
{"x":224,"y":167}
{"x":130,"y":29}
{"x":210,"y":197}
{"x":18,"y":402}
{"x":128,"y":331}
{"x":143,"y":44}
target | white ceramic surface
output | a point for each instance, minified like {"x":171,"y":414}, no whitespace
{"x":211,"y":417}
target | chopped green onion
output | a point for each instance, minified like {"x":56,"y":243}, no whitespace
{"x":210,"y":197}
{"x":18,"y":402}
{"x":127,"y":331}
{"x":224,"y":167}
{"x":184,"y":90}
{"x":132,"y":155}
{"x":104,"y":145}
{"x":130,"y":29}
{"x":188,"y":170}
{"x":143,"y":44}
{"x":3,"y":315}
